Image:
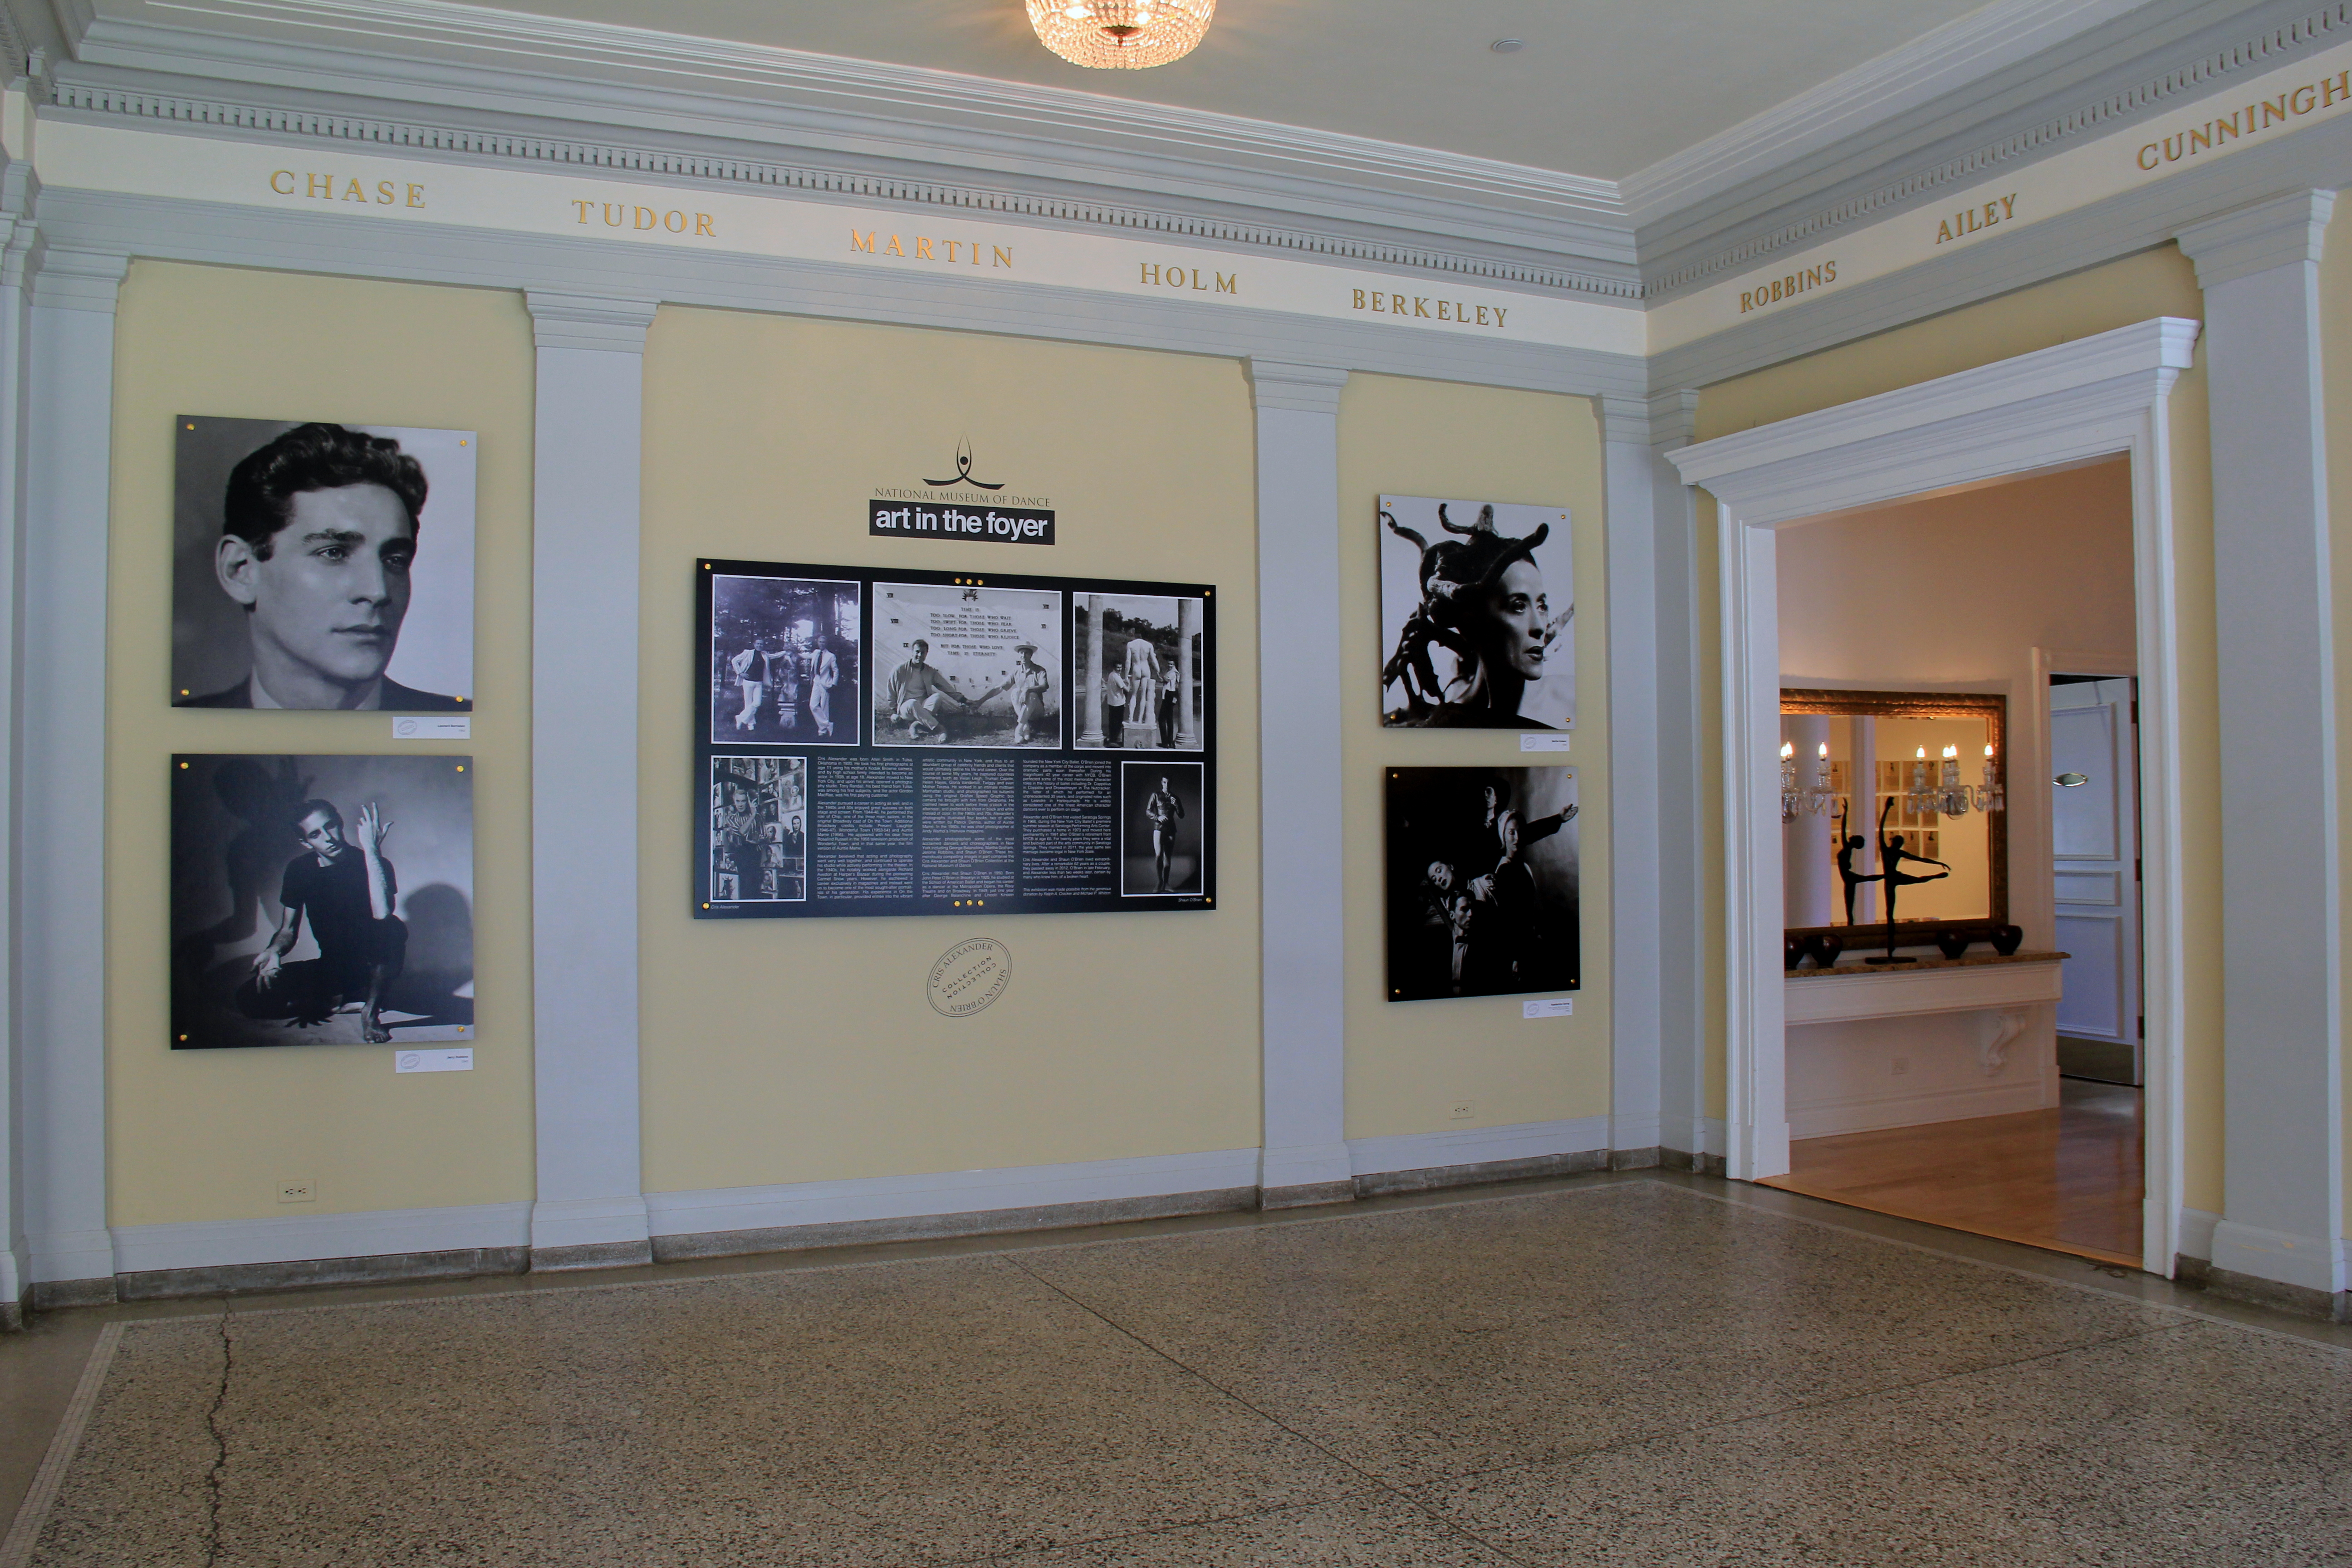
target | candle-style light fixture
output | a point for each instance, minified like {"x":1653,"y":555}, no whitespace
{"x":1121,"y":35}
{"x":1945,"y":793}
{"x":1795,"y":801}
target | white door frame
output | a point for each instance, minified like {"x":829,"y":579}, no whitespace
{"x":2091,"y":398}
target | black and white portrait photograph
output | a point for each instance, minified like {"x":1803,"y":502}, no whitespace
{"x":1160,"y":825}
{"x":759,"y":830}
{"x":1482,"y":881}
{"x":784,"y":667}
{"x":1477,"y":612}
{"x":321,"y":566}
{"x":1141,"y":672}
{"x":960,"y":665}
{"x":321,"y":900}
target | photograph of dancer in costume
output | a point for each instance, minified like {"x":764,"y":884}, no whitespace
{"x":1476,"y":618}
{"x":1163,"y":834}
{"x":1482,"y":881}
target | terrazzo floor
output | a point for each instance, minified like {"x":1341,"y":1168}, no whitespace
{"x":1622,"y":1371}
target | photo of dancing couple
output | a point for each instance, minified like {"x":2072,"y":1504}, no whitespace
{"x":1482,"y":882}
{"x":1477,"y":615}
{"x":783,"y":661}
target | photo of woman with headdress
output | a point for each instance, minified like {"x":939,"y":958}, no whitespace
{"x":1477,"y":616}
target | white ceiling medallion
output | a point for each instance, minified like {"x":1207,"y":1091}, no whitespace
{"x":1121,"y":35}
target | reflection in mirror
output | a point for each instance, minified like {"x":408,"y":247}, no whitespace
{"x":1907,"y":780}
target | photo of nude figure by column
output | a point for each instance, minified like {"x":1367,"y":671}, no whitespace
{"x":321,"y":566}
{"x":1482,"y":882}
{"x":1477,"y":614}
{"x":321,"y":900}
{"x":1143,"y":682}
{"x":1160,"y":825}
{"x":759,"y":830}
{"x":784,"y":661}
{"x":965,"y":666}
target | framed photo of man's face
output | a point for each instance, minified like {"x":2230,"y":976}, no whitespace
{"x":322,"y":565}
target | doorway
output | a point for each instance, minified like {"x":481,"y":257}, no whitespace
{"x":2097,"y":398}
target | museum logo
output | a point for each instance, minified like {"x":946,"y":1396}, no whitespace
{"x":927,"y":515}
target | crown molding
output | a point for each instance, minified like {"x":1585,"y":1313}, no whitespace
{"x":426,"y":60}
{"x":2289,"y":231}
{"x":1951,"y":58}
{"x":2129,"y":70}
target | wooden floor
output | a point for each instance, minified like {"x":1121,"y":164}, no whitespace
{"x":2067,"y":1179}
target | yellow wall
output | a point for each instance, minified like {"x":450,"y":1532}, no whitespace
{"x":785,"y":1051}
{"x":209,"y":1134}
{"x":2336,"y":349}
{"x":2153,"y":283}
{"x":1411,"y":1063}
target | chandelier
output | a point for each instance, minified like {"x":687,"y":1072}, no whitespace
{"x":1120,"y":35}
{"x":1947,"y":794}
{"x":1815,"y":799}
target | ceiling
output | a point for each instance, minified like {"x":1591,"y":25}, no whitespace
{"x":1602,"y":88}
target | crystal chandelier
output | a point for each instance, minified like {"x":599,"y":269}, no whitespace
{"x":1945,"y":793}
{"x":1120,"y":35}
{"x":1815,"y":799}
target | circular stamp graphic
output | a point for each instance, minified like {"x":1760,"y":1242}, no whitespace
{"x":970,"y":975}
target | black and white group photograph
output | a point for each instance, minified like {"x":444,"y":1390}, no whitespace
{"x":1160,"y":829}
{"x":1477,"y":615}
{"x":759,"y":830}
{"x":784,"y":666}
{"x":321,"y":900}
{"x":964,"y":665}
{"x":321,"y":566}
{"x":1482,"y":881}
{"x":1142,"y":666}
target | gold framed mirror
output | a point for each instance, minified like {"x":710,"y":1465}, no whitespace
{"x":1921,"y":779}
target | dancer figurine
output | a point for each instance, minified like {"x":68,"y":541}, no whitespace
{"x":1891,"y":856}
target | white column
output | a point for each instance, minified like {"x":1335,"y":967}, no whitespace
{"x":58,"y":776}
{"x":16,"y":245}
{"x":590,"y":1208}
{"x":1305,"y":1156}
{"x":2283,"y":1051}
{"x":1680,"y":936}
{"x":1636,"y":1132}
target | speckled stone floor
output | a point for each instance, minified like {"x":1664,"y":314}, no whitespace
{"x":1622,"y":1371}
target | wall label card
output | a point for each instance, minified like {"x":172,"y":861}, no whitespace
{"x":877,"y":742}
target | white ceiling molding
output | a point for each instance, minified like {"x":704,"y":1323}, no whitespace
{"x":1889,"y":192}
{"x":1949,"y":59}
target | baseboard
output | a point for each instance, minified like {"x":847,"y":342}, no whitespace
{"x":2314,"y":1266}
{"x":2298,"y":1301}
{"x":938,"y":1226}
{"x":2197,"y":1234}
{"x":1877,"y":1113}
{"x":792,"y":1208}
{"x":1455,"y":1149}
{"x":315,"y":1273}
{"x":319,"y":1237}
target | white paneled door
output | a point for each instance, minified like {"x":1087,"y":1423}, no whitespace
{"x":2094,"y":859}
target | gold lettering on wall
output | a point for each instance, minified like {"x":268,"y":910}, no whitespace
{"x":2316,"y":97}
{"x":1192,"y":280}
{"x":927,"y":247}
{"x":328,"y":187}
{"x":637,"y":219}
{"x":1803,"y":281}
{"x":1430,"y":308}
{"x":1977,"y":219}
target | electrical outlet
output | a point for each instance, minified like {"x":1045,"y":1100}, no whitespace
{"x":304,"y":1191}
{"x":1462,"y":1111}
{"x":1901,"y":1066}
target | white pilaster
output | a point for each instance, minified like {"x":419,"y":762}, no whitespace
{"x":1681,"y":930}
{"x":18,"y":239}
{"x":1635,"y":1130}
{"x":590,"y":1207}
{"x":2283,"y":1051}
{"x":59,"y":771}
{"x":1305,"y":1156}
